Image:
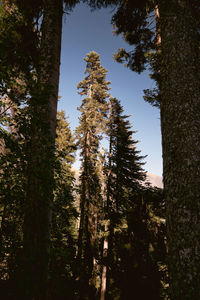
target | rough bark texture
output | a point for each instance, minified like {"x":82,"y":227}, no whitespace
{"x":41,"y":157}
{"x":180,"y":122}
{"x":50,"y":49}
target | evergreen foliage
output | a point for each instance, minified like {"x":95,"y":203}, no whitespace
{"x":64,"y":216}
{"x":14,"y":132}
{"x":13,"y":185}
{"x":134,"y":19}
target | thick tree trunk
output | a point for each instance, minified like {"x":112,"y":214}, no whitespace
{"x":180,"y":122}
{"x":39,"y":195}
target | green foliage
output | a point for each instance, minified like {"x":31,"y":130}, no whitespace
{"x":14,"y":135}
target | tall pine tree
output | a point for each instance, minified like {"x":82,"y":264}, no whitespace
{"x":92,"y":123}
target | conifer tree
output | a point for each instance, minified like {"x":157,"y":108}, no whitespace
{"x":92,"y":123}
{"x":124,"y":176}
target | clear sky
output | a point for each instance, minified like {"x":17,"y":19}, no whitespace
{"x":84,"y":31}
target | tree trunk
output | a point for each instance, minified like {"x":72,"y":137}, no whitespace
{"x":180,"y":122}
{"x":39,"y":193}
{"x":109,"y":229}
{"x":104,"y":270}
{"x":81,"y":228}
{"x":85,"y":256}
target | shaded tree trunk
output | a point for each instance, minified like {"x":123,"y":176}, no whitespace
{"x":85,"y":256}
{"x":180,"y":122}
{"x":41,"y":156}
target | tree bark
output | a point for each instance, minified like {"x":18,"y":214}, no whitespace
{"x":180,"y":122}
{"x":39,"y":193}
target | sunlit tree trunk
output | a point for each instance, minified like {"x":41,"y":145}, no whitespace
{"x":39,"y":194}
{"x":108,"y":229}
{"x":104,"y":269}
{"x":180,"y":122}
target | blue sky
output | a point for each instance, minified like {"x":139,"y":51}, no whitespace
{"x":84,"y":31}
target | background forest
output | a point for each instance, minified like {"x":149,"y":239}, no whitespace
{"x":100,"y":234}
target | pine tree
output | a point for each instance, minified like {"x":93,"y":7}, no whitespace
{"x":92,"y":123}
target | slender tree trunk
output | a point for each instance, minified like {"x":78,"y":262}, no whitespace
{"x":81,"y":230}
{"x":39,"y":194}
{"x":104,"y":270}
{"x":180,"y":122}
{"x":108,"y":229}
{"x":92,"y":227}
